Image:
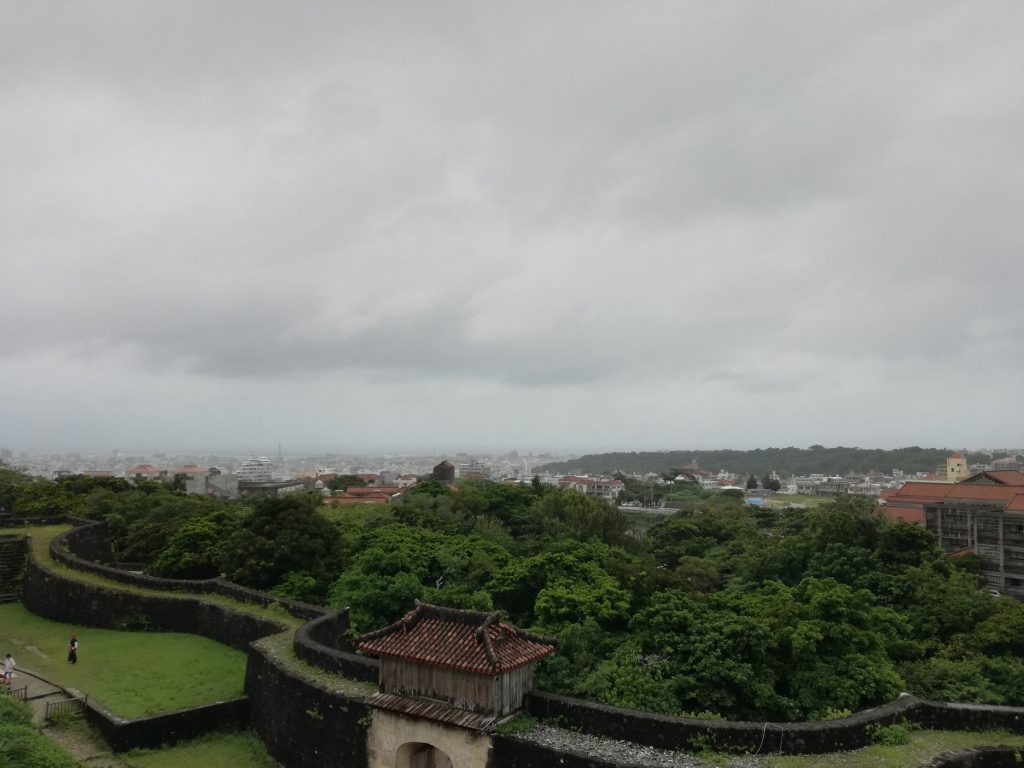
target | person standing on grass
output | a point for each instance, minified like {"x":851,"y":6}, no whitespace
{"x":9,"y":666}
{"x":73,"y":650}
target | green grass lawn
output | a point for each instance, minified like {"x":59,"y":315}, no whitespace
{"x":41,"y":537}
{"x":131,"y":673}
{"x":216,"y":750}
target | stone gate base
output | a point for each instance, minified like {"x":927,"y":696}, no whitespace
{"x":399,"y":741}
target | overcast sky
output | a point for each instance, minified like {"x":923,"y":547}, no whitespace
{"x":430,"y":226}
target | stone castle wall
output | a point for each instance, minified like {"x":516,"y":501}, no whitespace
{"x":301,"y":722}
{"x":87,"y":548}
{"x":166,"y":728}
{"x":305,"y":723}
{"x":320,"y":643}
{"x":13,"y":551}
{"x":685,"y":733}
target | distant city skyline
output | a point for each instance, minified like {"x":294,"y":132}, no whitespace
{"x":574,"y":227}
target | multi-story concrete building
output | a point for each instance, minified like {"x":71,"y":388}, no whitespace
{"x":606,"y":487}
{"x":983,"y":514}
{"x":256,"y":470}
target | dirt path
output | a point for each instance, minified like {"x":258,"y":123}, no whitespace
{"x":83,"y":746}
{"x":76,"y":738}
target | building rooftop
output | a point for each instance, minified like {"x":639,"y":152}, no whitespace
{"x":468,"y":641}
{"x":1003,"y":476}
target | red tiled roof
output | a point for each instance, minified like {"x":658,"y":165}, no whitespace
{"x":922,"y":492}
{"x":1007,"y":476}
{"x":369,"y":490}
{"x":190,"y":469}
{"x":907,"y":513}
{"x":908,"y":503}
{"x":468,"y":641}
{"x":969,"y":492}
{"x":143,"y":469}
{"x":430,"y":711}
{"x":364,"y":495}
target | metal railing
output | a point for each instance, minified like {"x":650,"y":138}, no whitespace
{"x":18,"y":693}
{"x":66,"y":707}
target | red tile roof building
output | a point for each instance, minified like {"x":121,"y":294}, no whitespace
{"x":983,"y":514}
{"x":191,"y":469}
{"x":357,"y":494}
{"x":470,"y":660}
{"x":144,"y":472}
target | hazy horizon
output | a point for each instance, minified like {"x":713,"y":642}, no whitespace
{"x":299,"y":452}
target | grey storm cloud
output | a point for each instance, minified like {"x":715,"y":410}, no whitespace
{"x":686,"y":207}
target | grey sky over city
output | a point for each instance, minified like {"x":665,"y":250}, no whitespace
{"x":570,"y":226}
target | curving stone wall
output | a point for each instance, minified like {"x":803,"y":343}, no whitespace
{"x":60,"y":598}
{"x":87,"y":547}
{"x":665,"y":732}
{"x":304,"y":724}
{"x":13,"y":551}
{"x":318,"y":642}
{"x":980,"y":757}
{"x":167,"y":728}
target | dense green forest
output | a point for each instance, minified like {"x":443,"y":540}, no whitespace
{"x":785,"y":461}
{"x":720,"y":610}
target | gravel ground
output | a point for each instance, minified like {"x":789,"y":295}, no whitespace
{"x":620,"y":753}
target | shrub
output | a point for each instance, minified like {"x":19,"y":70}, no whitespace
{"x":835,"y":714}
{"x":14,"y":711}
{"x":518,"y":724}
{"x":22,"y":746}
{"x":891,"y":735}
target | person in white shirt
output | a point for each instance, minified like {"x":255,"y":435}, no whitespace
{"x":9,"y":666}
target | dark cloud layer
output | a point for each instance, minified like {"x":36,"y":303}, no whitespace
{"x":687,"y":218}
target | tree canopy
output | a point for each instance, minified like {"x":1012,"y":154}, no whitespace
{"x":785,"y":461}
{"x":718,"y":608}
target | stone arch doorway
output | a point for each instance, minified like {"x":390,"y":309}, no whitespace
{"x":419,"y":754}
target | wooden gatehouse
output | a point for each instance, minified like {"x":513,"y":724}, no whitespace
{"x":443,"y":672}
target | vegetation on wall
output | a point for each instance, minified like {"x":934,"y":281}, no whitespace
{"x":719,"y":609}
{"x":22,"y":745}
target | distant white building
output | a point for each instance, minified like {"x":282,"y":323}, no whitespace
{"x":256,"y":470}
{"x":606,"y":487}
